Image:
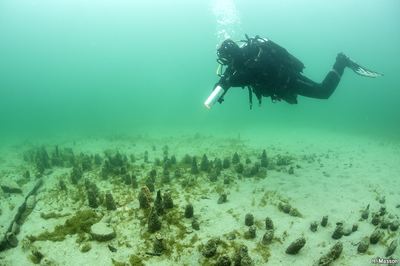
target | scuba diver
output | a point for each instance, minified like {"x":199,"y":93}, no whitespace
{"x":268,"y":70}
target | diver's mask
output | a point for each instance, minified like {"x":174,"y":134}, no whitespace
{"x":223,"y":61}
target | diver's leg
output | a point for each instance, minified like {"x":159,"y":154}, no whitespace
{"x":306,"y":87}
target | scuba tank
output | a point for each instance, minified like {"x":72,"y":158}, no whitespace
{"x":281,"y":54}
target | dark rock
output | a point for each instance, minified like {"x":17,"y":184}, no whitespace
{"x":48,"y":171}
{"x":10,"y":186}
{"x":222,"y":199}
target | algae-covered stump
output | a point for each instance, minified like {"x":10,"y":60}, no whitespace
{"x":375,"y":236}
{"x":332,"y":255}
{"x":145,"y":198}
{"x":158,"y":204}
{"x":249,"y":219}
{"x":110,"y":203}
{"x":324,"y":221}
{"x":338,"y":233}
{"x":296,"y":245}
{"x":242,"y":256}
{"x":223,"y":260}
{"x":168,"y":203}
{"x":267,"y":238}
{"x":391,"y":248}
{"x":102,"y":232}
{"x":154,"y":222}
{"x":210,"y":248}
{"x":269,"y":224}
{"x":195,"y":225}
{"x":364,"y":244}
{"x":314,"y":226}
{"x":158,"y":245}
{"x":189,"y":211}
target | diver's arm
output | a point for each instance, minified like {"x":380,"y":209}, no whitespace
{"x":242,"y":79}
{"x":239,"y":79}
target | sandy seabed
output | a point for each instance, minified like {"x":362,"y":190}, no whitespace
{"x":334,"y":173}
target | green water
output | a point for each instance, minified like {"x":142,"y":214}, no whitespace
{"x":94,"y":67}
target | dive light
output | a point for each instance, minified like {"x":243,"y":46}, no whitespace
{"x":215,"y":95}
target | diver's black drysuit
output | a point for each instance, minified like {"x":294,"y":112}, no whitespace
{"x":270,"y":71}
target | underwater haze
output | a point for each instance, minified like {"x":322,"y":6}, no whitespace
{"x":101,"y":67}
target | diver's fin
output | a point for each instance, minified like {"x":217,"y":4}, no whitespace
{"x":362,"y":71}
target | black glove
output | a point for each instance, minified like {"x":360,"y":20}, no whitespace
{"x":224,"y":83}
